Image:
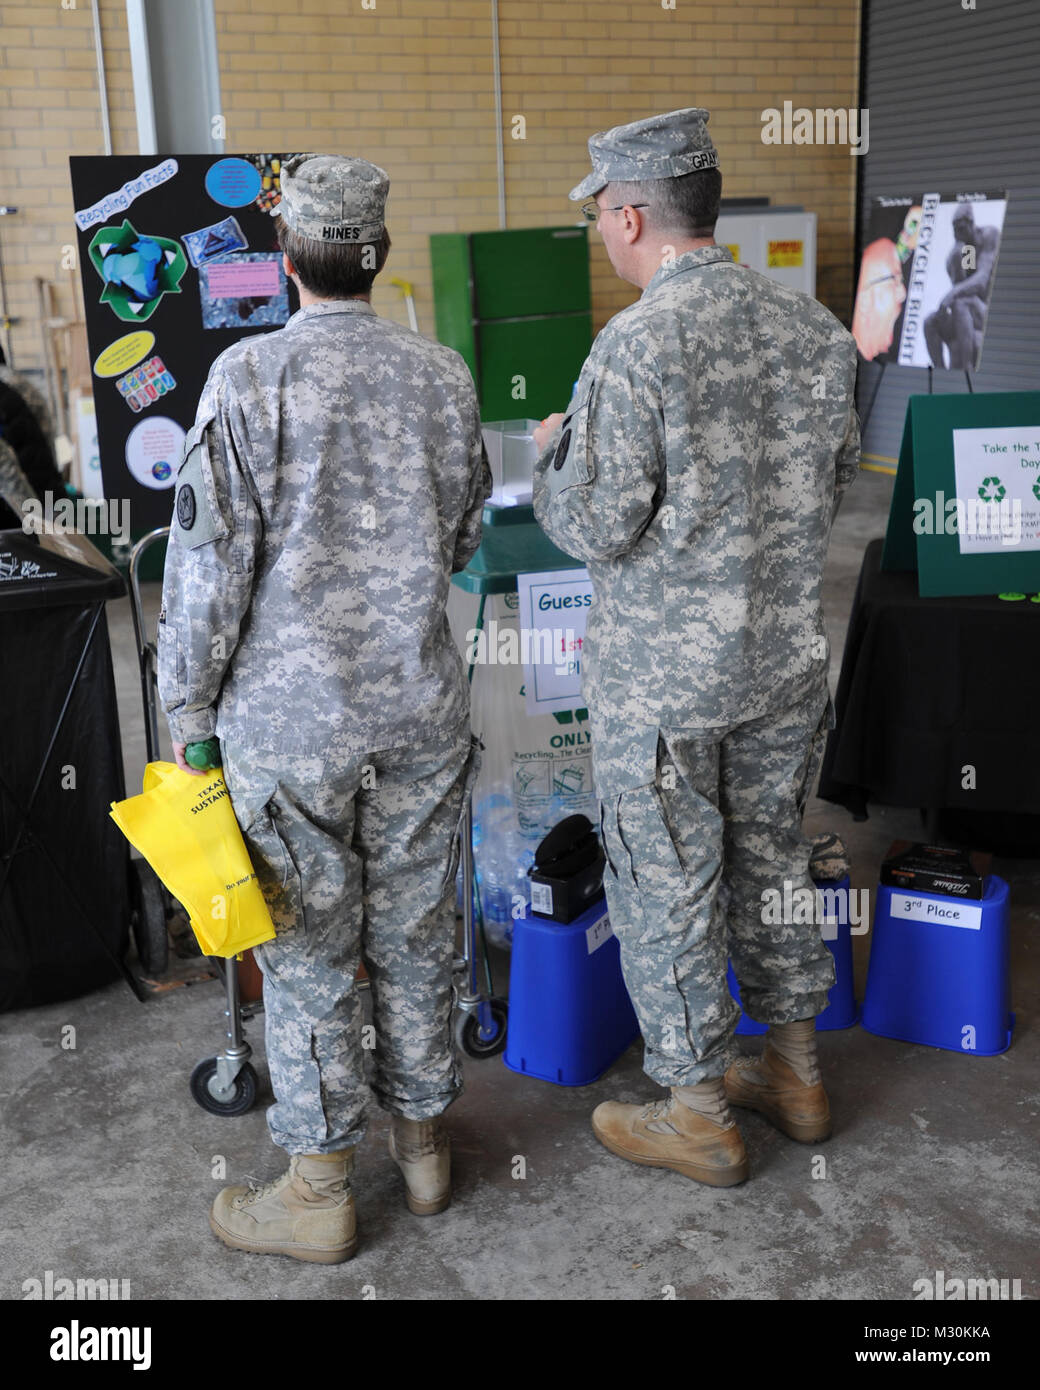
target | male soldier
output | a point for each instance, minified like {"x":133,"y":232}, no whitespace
{"x":696,"y":473}
{"x":333,"y":481}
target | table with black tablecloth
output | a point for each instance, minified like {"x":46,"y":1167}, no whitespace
{"x":930,"y":689}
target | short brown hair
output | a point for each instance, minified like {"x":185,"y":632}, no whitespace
{"x":332,"y":269}
{"x":687,"y":204}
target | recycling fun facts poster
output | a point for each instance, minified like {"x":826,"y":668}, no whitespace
{"x":179,"y":259}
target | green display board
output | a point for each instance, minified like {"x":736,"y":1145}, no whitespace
{"x":965,"y":512}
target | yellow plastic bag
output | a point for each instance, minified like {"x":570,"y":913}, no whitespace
{"x":185,"y":827}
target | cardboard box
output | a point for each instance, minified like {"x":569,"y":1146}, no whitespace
{"x":924,"y":868}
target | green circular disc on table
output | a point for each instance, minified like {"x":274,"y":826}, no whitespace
{"x":1035,"y":598}
{"x":1011,"y":598}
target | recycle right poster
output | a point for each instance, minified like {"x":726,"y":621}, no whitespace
{"x":926,"y":278}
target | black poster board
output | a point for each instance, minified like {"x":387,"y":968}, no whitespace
{"x":179,"y":260}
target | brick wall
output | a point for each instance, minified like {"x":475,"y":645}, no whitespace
{"x":48,"y":111}
{"x":408,"y":85}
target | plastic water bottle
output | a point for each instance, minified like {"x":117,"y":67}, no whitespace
{"x":490,"y":825}
{"x":495,"y":864}
{"x":509,"y":889}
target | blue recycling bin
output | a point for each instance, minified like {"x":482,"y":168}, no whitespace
{"x":842,"y":1011}
{"x":570,"y":1016}
{"x":939,"y":970}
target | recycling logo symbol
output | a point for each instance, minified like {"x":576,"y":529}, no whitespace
{"x":1036,"y":490}
{"x":998,"y":487}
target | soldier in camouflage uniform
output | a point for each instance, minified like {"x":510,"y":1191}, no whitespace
{"x":332,"y":483}
{"x":696,"y":472}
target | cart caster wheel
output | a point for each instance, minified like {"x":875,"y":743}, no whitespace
{"x":237,"y":1103}
{"x":149,"y":919}
{"x":472,"y":1044}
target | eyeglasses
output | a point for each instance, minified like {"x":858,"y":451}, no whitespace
{"x":592,"y":210}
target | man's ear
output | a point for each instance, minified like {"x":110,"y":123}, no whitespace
{"x":634,"y":224}
{"x":288,"y":267}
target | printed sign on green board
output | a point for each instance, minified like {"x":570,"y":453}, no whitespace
{"x":965,"y":512}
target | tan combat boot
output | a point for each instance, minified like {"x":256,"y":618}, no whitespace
{"x":668,"y":1134}
{"x":422,"y":1151}
{"x":784,"y":1083}
{"x":307,"y":1213}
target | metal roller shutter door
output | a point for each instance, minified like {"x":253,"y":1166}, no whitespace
{"x":953,"y":107}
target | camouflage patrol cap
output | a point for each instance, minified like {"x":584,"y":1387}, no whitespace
{"x":658,"y":147}
{"x":328,"y":197}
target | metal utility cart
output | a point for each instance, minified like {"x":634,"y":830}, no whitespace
{"x":227,"y":1083}
{"x":513,"y":543}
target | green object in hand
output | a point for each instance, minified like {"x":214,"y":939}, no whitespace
{"x":203,"y":756}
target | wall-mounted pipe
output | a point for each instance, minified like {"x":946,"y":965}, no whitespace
{"x":499,"y":133}
{"x":106,"y":129}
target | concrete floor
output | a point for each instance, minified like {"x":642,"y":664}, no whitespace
{"x":933,"y":1165}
